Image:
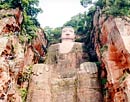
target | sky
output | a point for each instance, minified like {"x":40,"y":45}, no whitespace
{"x":57,"y":12}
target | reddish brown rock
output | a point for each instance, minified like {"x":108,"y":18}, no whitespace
{"x":16,"y":57}
{"x":8,"y":91}
{"x":39,"y":45}
{"x":112,"y":49}
{"x":11,"y":23}
{"x":36,"y":51}
{"x":11,"y":65}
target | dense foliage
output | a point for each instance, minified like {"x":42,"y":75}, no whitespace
{"x":53,"y":34}
{"x":111,"y":7}
{"x":30,"y":11}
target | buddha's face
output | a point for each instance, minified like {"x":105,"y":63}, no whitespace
{"x":68,"y":33}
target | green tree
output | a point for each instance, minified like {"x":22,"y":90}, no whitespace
{"x":53,"y":34}
{"x":85,"y":3}
{"x":30,"y":23}
{"x":111,"y":7}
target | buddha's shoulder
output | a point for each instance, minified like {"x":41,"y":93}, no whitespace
{"x":53,"y":47}
{"x":78,"y":46}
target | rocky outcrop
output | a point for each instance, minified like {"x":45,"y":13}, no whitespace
{"x":16,"y":57}
{"x":36,"y":51}
{"x":111,"y":40}
{"x":67,"y":77}
{"x":10,"y":20}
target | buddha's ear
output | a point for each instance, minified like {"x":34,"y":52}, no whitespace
{"x":74,"y":36}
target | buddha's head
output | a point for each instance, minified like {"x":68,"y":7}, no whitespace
{"x":68,"y":34}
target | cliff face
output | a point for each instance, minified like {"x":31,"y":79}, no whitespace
{"x":68,"y":77}
{"x":16,"y":57}
{"x":111,"y":40}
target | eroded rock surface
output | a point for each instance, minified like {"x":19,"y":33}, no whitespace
{"x":112,"y":47}
{"x":15,"y":56}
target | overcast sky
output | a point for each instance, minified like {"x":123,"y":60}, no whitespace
{"x":57,"y":12}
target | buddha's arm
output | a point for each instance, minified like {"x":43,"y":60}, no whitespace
{"x":52,"y":54}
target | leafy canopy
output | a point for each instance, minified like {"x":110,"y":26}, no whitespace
{"x":53,"y":34}
{"x":111,"y":7}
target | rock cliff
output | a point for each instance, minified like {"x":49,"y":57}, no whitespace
{"x":16,"y":57}
{"x":67,"y":77}
{"x":111,"y":41}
